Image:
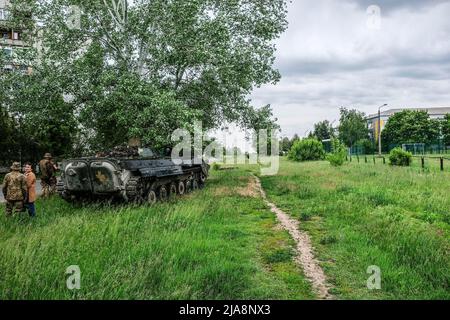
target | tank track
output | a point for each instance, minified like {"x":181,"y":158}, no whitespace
{"x":134,"y":189}
{"x":137,"y":187}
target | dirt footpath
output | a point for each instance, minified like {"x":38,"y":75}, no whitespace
{"x":305,"y":256}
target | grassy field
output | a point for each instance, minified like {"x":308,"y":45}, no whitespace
{"x":361,"y":215}
{"x":432,"y":162}
{"x":218,"y":243}
{"x":223,"y":243}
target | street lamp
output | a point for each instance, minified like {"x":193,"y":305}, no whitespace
{"x":379,"y":128}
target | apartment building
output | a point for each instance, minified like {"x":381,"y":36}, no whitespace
{"x":374,"y":119}
{"x":10,"y":40}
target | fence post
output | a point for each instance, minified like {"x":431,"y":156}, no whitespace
{"x":384,"y":160}
{"x":365,"y":158}
{"x":357,"y":158}
{"x":442,"y":164}
{"x":374,"y":160}
{"x":423,"y":162}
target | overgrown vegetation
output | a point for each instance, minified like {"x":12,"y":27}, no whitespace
{"x":400,"y":157}
{"x":362,"y":215}
{"x":446,"y":129}
{"x":323,"y":130}
{"x":352,"y":127}
{"x":212,"y":244}
{"x":307,"y":150}
{"x":411,"y":126}
{"x":156,"y":67}
{"x":338,"y":153}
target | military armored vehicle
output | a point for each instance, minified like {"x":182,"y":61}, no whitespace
{"x":138,"y":178}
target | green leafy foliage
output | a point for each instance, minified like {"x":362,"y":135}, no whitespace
{"x":410,"y":127}
{"x":399,"y":157}
{"x":353,"y":127}
{"x":307,"y":150}
{"x":366,"y":145}
{"x":286,"y":144}
{"x":8,"y":136}
{"x":338,"y":153}
{"x":446,"y":129}
{"x":323,"y":131}
{"x":156,"y":66}
{"x":44,"y":122}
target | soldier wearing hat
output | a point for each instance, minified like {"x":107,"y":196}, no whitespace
{"x":14,"y":190}
{"x":48,"y":178}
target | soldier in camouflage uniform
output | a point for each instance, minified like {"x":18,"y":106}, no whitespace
{"x":14,"y":190}
{"x":48,"y":178}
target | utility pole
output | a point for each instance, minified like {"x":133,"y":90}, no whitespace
{"x":379,"y":128}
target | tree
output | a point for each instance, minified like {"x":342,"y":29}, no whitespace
{"x":46,"y":123}
{"x":353,"y":127}
{"x":410,"y":126}
{"x":446,"y":129}
{"x":8,"y":139}
{"x":323,"y":131}
{"x":153,"y":66}
{"x":366,"y":146}
{"x":285,"y":145}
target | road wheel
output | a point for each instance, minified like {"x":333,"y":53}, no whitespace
{"x":202,"y":178}
{"x":194,"y":185}
{"x":188,"y":186}
{"x":181,"y":188}
{"x":152,"y":198}
{"x":163,"y":193}
{"x":173,"y":190}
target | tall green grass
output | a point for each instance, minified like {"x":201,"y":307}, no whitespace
{"x":361,"y":215}
{"x":211,"y":244}
{"x":432,"y":162}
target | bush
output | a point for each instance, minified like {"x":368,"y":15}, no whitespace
{"x":307,"y":150}
{"x":399,"y":157}
{"x":216,"y":166}
{"x":338,"y":153}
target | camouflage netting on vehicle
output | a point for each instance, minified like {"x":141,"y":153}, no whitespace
{"x":120,"y":152}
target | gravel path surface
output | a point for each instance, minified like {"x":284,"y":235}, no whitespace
{"x":305,"y":254}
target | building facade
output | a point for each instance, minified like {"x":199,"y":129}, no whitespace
{"x":373,"y":120}
{"x":10,"y":40}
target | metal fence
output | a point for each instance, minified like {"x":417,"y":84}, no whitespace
{"x":422,"y":148}
{"x":434,"y":163}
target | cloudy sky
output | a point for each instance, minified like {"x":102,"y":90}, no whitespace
{"x":337,"y":53}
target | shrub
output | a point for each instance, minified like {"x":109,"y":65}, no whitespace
{"x":399,"y":157}
{"x":338,"y":153}
{"x":307,"y":150}
{"x":216,"y":166}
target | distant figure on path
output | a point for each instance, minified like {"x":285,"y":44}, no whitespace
{"x":31,"y":192}
{"x":14,"y":190}
{"x":48,"y":178}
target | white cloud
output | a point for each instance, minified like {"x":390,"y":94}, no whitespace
{"x":329,"y":58}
